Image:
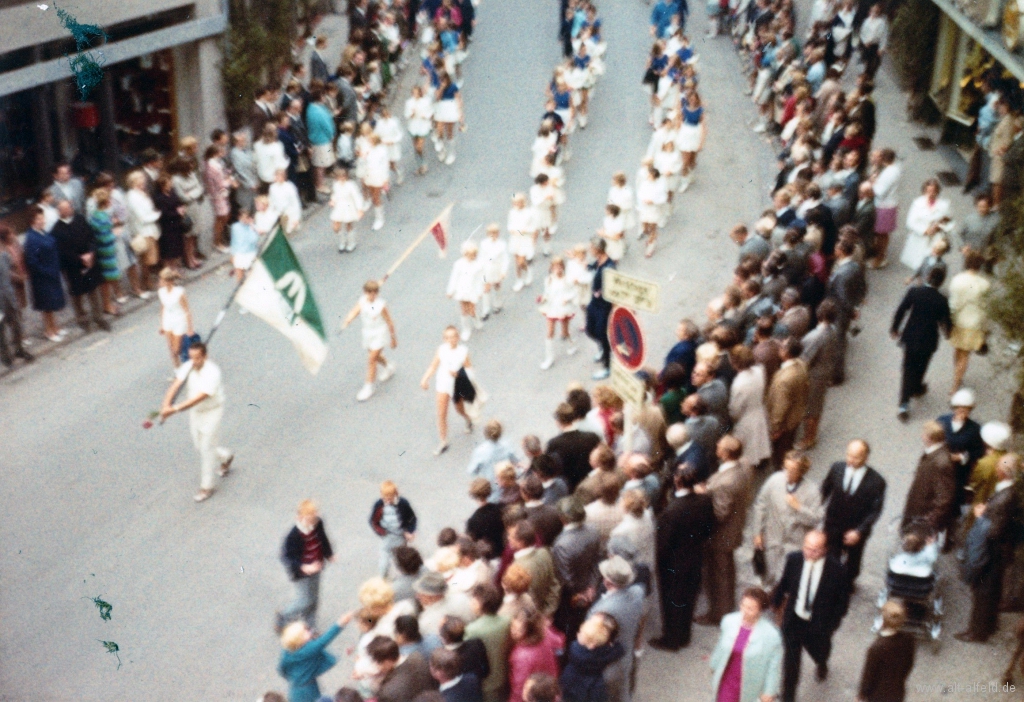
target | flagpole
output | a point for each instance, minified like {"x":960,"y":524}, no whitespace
{"x":224,"y":310}
{"x":417,"y":242}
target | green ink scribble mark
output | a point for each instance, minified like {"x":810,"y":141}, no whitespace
{"x":86,"y":67}
{"x":104,"y":607}
{"x":112,"y":648}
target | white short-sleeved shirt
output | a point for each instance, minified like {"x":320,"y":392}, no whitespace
{"x":206,"y":380}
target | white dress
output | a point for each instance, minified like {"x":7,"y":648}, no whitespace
{"x":614,"y":236}
{"x":363,"y":146}
{"x":542,"y":146}
{"x":418,"y":115}
{"x":346,"y":202}
{"x":466,"y":283}
{"x":452,"y":359}
{"x":556,"y":181}
{"x":559,"y":298}
{"x":581,"y":278}
{"x":922,"y":215}
{"x":651,"y":195}
{"x":264,"y":220}
{"x":390,"y":132}
{"x":172,"y":313}
{"x":494,"y":256}
{"x":375,"y":329}
{"x":284,"y":198}
{"x":623,"y":199}
{"x":670,"y":165}
{"x":378,"y":167}
{"x":542,"y":200}
{"x":521,"y":225}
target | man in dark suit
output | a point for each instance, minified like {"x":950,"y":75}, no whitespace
{"x":963,"y":438}
{"x":572,"y":447}
{"x":848,"y":286}
{"x":76,"y":244}
{"x":687,"y":451}
{"x":485,"y":523}
{"x":400,"y":682}
{"x":854,"y":494}
{"x":317,"y":65}
{"x":682,"y":530}
{"x":864,"y":218}
{"x":931,"y":499}
{"x":987,"y":587}
{"x":820,"y":216}
{"x":262,"y":110}
{"x":545,"y":518}
{"x":576,"y":553}
{"x":599,"y":309}
{"x":813,"y":589}
{"x":471,"y":654}
{"x":927,"y":312}
{"x":704,"y":430}
{"x":455,"y":686}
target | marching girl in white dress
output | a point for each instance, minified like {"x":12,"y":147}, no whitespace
{"x":558,"y":305}
{"x":466,"y":285}
{"x":389,"y":129}
{"x":284,"y":198}
{"x":494,"y":257}
{"x":690,"y":138}
{"x":377,"y":178}
{"x":613,"y":233}
{"x":419,"y":112}
{"x":668,"y":92}
{"x":264,"y":218}
{"x":378,"y":329}
{"x":669,"y":163}
{"x":666,"y":131}
{"x":363,"y":144}
{"x":451,"y":357}
{"x":560,"y":92}
{"x":581,"y":78}
{"x":576,"y":270}
{"x":621,"y":195}
{"x":595,"y":49}
{"x":542,"y":199}
{"x":447,"y":111}
{"x":556,"y":180}
{"x":522,"y":237}
{"x":347,"y":208}
{"x":651,"y":195}
{"x":546,"y":144}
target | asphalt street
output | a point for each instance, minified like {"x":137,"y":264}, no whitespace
{"x":94,"y":505}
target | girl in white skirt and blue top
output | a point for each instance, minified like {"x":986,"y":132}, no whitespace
{"x":448,"y":112}
{"x":494,"y":258}
{"x":347,"y":208}
{"x":466,"y":285}
{"x":558,"y":305}
{"x":419,"y":111}
{"x":522,"y":238}
{"x":691,"y":136}
{"x":581,"y":79}
{"x":561,"y":93}
{"x":451,"y":358}
{"x":378,"y":332}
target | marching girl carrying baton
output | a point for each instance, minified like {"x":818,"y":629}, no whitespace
{"x":466,"y":285}
{"x":378,"y":330}
{"x":495,"y":260}
{"x":558,"y":305}
{"x":419,"y":111}
{"x":522,"y":231}
{"x":347,"y":208}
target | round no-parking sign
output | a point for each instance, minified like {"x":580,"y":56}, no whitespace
{"x":626,"y":339}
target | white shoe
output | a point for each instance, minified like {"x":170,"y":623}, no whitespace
{"x":760,"y":127}
{"x":529,"y":277}
{"x":466,"y":333}
{"x":477,"y":324}
{"x":342,"y":248}
{"x":449,"y":159}
{"x":547,"y":363}
{"x":350,"y":247}
{"x":545,"y":248}
{"x":385,"y":375}
{"x":400,"y":178}
{"x":518,"y":285}
{"x":571,"y":351}
{"x":378,"y":223}
{"x":145,"y":295}
{"x":553,"y":229}
{"x":438,"y":144}
{"x":365,"y":393}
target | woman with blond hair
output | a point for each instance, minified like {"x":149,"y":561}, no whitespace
{"x":218,"y":183}
{"x":606,"y":403}
{"x":558,"y":307}
{"x":620,"y":194}
{"x":175,"y":315}
{"x":102,"y":221}
{"x":304,"y":659}
{"x":967,"y":293}
{"x":143,"y":218}
{"x":378,"y":327}
{"x":522,"y":236}
{"x":451,"y":358}
{"x":419,"y":111}
{"x":466,"y":286}
{"x":268,"y":152}
{"x":377,"y":177}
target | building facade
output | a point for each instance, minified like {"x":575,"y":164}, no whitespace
{"x":160,"y":81}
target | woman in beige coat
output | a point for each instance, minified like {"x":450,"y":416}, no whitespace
{"x":967,"y":292}
{"x":746,"y":406}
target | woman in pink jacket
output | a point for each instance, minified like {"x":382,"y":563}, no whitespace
{"x":535,"y":650}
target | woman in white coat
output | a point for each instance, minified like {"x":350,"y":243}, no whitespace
{"x":558,"y":305}
{"x":378,"y":329}
{"x":419,"y":114}
{"x":522,"y":238}
{"x":787,"y":507}
{"x":746,"y":406}
{"x":268,"y":153}
{"x":142,"y":223}
{"x":466,"y":285}
{"x":347,"y":208}
{"x":746,"y":664}
{"x":494,"y":258}
{"x":377,"y":177}
{"x":928,"y":215}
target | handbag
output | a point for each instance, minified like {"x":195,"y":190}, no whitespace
{"x":186,"y":344}
{"x":760,"y":563}
{"x":464,"y":390}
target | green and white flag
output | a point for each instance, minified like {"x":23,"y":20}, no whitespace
{"x":277,"y":291}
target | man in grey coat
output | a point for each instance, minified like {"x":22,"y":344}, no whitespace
{"x":67,"y":187}
{"x":751,"y":244}
{"x":576,"y":553}
{"x":821,"y":354}
{"x":848,"y":287}
{"x":713,"y":390}
{"x":624,"y":601}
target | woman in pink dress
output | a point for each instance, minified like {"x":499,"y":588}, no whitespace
{"x":535,"y":650}
{"x":218,"y":187}
{"x":747,"y":662}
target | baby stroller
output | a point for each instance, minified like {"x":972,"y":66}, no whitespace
{"x":911,"y":578}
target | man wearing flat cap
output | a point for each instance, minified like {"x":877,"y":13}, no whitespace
{"x":438,"y":602}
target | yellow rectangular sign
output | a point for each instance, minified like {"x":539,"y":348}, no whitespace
{"x":628,"y":386}
{"x":627,"y":291}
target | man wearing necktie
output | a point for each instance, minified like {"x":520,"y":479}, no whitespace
{"x":814,"y":593}
{"x":855,"y":494}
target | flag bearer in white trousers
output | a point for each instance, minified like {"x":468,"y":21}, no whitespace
{"x":206,"y":401}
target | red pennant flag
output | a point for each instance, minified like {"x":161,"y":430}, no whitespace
{"x":440,"y":236}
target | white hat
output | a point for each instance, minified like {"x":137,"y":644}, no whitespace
{"x":962,"y":398}
{"x":995,"y":435}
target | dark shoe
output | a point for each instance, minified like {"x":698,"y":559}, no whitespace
{"x":24,"y":355}
{"x":661,"y":645}
{"x":923,"y":391}
{"x":821,"y":674}
{"x":968,"y":637}
{"x":903,"y":414}
{"x":7,"y":361}
{"x":103,"y":324}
